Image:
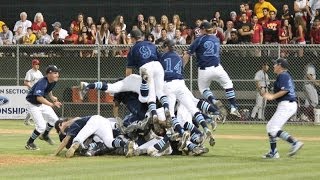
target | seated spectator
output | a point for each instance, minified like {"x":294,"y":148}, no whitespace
{"x":57,"y":29}
{"x":29,"y":38}
{"x":72,"y":38}
{"x":315,"y":32}
{"x":1,"y":24}
{"x":118,"y":21}
{"x":103,"y":34}
{"x":89,"y":22}
{"x":93,"y":31}
{"x":171,"y":31}
{"x":234,"y":38}
{"x":197,"y":30}
{"x":140,"y":20}
{"x":115,"y":37}
{"x":150,"y":38}
{"x":245,"y":30}
{"x":176,"y":21}
{"x":227,"y":32}
{"x":23,"y":22}
{"x":259,"y":6}
{"x":6,"y":35}
{"x":78,"y":24}
{"x":215,"y":21}
{"x":38,"y":23}
{"x":233,"y":18}
{"x":43,"y":36}
{"x":84,"y":39}
{"x":163,"y":37}
{"x":143,"y":29}
{"x":56,"y":39}
{"x":157,"y":31}
{"x":17,"y":38}
{"x":217,"y":33}
{"x":220,"y":22}
{"x":164,"y":21}
{"x":178,"y":39}
{"x":152,"y":22}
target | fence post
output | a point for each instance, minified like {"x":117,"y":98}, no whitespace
{"x":18,"y":65}
{"x":191,"y":75}
{"x":99,"y":102}
{"x":279,"y":51}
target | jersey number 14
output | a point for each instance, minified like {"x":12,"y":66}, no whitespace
{"x":177,"y":66}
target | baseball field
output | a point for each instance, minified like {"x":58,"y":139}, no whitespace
{"x":236,"y":155}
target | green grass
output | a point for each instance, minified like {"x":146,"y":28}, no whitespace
{"x":229,"y":159}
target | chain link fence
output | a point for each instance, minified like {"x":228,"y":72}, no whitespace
{"x":107,"y":63}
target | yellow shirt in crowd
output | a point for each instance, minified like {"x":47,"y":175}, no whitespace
{"x":1,"y":23}
{"x":29,"y":39}
{"x":259,"y":6}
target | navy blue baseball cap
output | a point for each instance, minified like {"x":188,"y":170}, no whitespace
{"x":52,"y":68}
{"x":206,"y":25}
{"x":136,"y":33}
{"x":282,"y":62}
{"x":168,"y":43}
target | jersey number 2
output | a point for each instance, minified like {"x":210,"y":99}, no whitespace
{"x":211,"y":49}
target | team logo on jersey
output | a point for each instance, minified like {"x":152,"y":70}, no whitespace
{"x":3,"y":100}
{"x":145,"y":52}
{"x":38,"y":91}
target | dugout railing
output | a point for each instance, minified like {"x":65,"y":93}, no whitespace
{"x":96,"y":62}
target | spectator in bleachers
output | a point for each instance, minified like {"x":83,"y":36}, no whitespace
{"x":103,"y":35}
{"x":171,"y":31}
{"x":1,"y":24}
{"x":197,"y":30}
{"x":140,"y":20}
{"x":265,"y":19}
{"x":257,"y":36}
{"x":270,"y":32}
{"x":157,"y":31}
{"x":248,"y":10}
{"x":58,"y":29}
{"x":89,"y":22}
{"x":301,"y":30}
{"x":72,"y":38}
{"x":143,"y":29}
{"x":259,"y":6}
{"x":30,"y":37}
{"x":85,"y":39}
{"x":129,"y":40}
{"x":215,"y":21}
{"x":227,"y":32}
{"x":150,"y":38}
{"x":176,"y":21}
{"x":300,"y":8}
{"x":102,"y":20}
{"x":6,"y":35}
{"x":115,"y":37}
{"x":178,"y":39}
{"x":234,"y":38}
{"x":118,"y":21}
{"x":17,"y":38}
{"x":284,"y":37}
{"x":56,"y":39}
{"x":38,"y":23}
{"x":233,"y":18}
{"x":164,"y":21}
{"x":286,"y":14}
{"x":23,"y":22}
{"x":313,"y":6}
{"x":243,"y":10}
{"x":93,"y":32}
{"x":315,"y":32}
{"x":187,"y":33}
{"x":220,"y":22}
{"x":78,"y":24}
{"x":152,"y":22}
{"x":162,"y":38}
{"x":245,"y":30}
{"x":43,"y":37}
{"x":217,"y":32}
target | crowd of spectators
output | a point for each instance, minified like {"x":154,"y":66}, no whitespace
{"x":263,"y":24}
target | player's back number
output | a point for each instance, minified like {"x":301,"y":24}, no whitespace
{"x":211,"y":48}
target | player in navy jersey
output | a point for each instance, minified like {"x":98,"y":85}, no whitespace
{"x":143,"y":56}
{"x":40,"y":108}
{"x":207,"y":50}
{"x":284,"y":94}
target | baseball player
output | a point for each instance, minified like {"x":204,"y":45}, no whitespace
{"x":312,"y":98}
{"x":32,"y":76}
{"x":284,"y":94}
{"x":41,"y":109}
{"x":81,"y":128}
{"x":143,"y":56}
{"x":262,"y":82}
{"x":207,"y":50}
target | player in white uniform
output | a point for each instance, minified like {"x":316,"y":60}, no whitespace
{"x":285,"y":95}
{"x":262,"y":82}
{"x":32,"y":76}
{"x":41,"y":109}
{"x":311,"y":93}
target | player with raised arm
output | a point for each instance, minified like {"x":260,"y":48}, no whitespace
{"x":207,"y":50}
{"x":285,"y":95}
{"x":32,"y":76}
{"x":41,"y":109}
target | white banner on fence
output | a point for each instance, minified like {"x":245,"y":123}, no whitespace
{"x":13,"y":102}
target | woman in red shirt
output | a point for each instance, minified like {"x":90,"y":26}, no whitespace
{"x":38,"y":23}
{"x":257,"y":36}
{"x":284,"y":38}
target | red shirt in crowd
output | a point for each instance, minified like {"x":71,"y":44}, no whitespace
{"x":302,"y":39}
{"x":219,"y":35}
{"x":271,"y":31}
{"x":257,"y":29}
{"x":315,"y":34}
{"x":283,"y":33}
{"x":263,"y":21}
{"x":37,"y":27}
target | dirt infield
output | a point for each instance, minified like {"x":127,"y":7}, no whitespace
{"x":10,"y":160}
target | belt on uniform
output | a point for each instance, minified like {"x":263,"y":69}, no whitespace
{"x":204,"y":68}
{"x":292,"y":101}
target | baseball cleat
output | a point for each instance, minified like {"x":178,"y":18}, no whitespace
{"x":235,"y":112}
{"x":144,"y":74}
{"x":47,"y":139}
{"x":83,"y":89}
{"x":212,"y":141}
{"x":208,"y":132}
{"x":130,"y":149}
{"x":221,"y":107}
{"x":183,"y":142}
{"x":214,"y":125}
{"x":31,"y":146}
{"x":295,"y":148}
{"x":72,"y":149}
{"x":271,"y":155}
{"x":168,"y":117}
{"x":197,"y":151}
{"x":152,"y":151}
